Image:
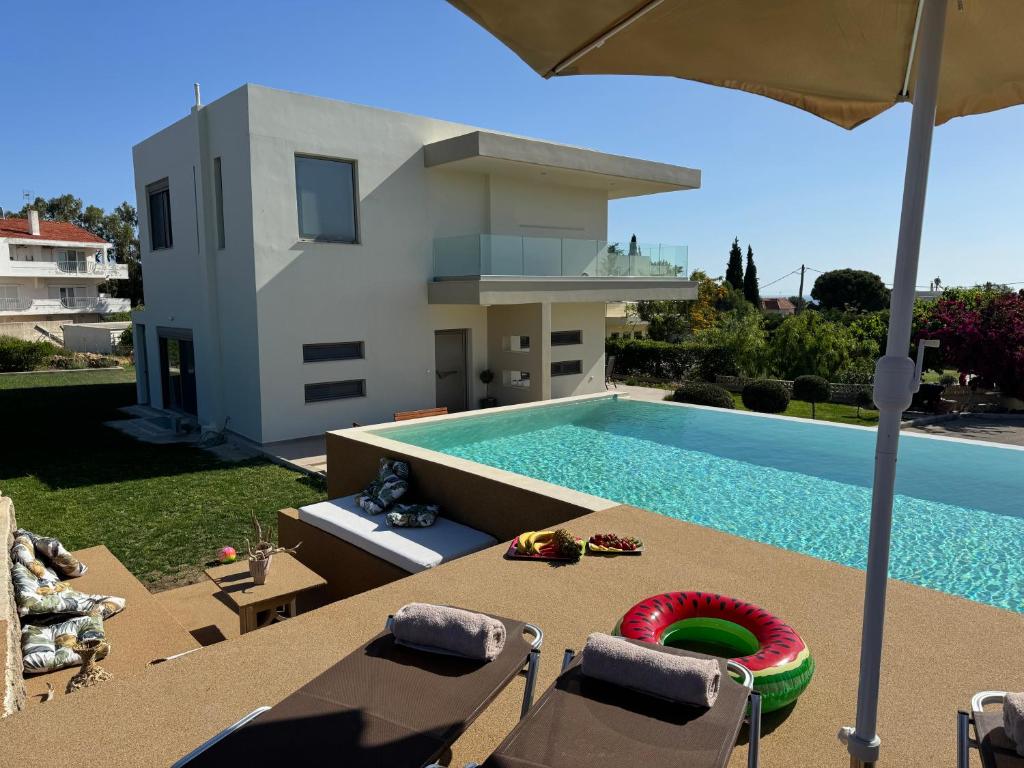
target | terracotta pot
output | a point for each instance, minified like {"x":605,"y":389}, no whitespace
{"x":258,"y":568}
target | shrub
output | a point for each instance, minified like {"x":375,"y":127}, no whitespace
{"x":766,"y":396}
{"x":100,"y":361}
{"x":66,"y":362}
{"x":864,"y":399}
{"x":948,"y":379}
{"x":126,"y":341}
{"x":703,"y":393}
{"x":21,"y":355}
{"x":811,"y":389}
{"x":664,"y":360}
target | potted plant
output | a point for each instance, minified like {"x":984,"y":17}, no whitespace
{"x":487,"y":376}
{"x":262,"y":554}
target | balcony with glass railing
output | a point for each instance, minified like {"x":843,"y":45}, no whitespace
{"x":513,"y":255}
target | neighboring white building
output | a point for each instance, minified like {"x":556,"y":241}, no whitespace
{"x":51,"y":272}
{"x":622,"y":322}
{"x":311,"y":263}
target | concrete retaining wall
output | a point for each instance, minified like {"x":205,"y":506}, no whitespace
{"x":12,"y":686}
{"x":29,"y":331}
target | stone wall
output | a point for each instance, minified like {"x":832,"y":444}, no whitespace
{"x":12,"y":685}
{"x":840,"y":393}
{"x":29,"y":331}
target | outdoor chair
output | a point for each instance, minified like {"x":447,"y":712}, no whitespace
{"x":993,"y":745}
{"x":383,"y":704}
{"x":582,"y":721}
{"x":423,"y":413}
{"x":609,"y":369}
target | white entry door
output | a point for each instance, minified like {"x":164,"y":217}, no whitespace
{"x":450,"y":369}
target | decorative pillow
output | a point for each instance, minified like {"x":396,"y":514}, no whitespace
{"x":412,"y":515}
{"x":46,"y":649}
{"x":38,"y":596}
{"x":54,"y":552}
{"x":392,"y":481}
{"x":23,"y":552}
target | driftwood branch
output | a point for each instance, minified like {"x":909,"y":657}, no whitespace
{"x":264,"y":548}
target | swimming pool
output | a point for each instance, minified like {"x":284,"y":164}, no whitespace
{"x":958,"y":517}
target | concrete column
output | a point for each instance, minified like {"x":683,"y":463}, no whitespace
{"x":544,"y":343}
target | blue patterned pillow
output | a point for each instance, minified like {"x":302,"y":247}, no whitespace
{"x":391,"y":483}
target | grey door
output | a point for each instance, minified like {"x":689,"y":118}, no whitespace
{"x":450,"y":369}
{"x":141,"y":363}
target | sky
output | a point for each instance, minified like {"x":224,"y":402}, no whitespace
{"x":87,"y":81}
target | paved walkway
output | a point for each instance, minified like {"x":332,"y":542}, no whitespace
{"x":308,"y":454}
{"x":641,"y":393}
{"x":994,"y":429}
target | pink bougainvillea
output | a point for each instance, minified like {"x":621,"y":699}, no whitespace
{"x":980,"y":334}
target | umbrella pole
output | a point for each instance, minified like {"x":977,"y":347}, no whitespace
{"x":894,"y":382}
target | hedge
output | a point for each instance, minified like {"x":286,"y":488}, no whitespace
{"x":20,"y":355}
{"x":664,"y":360}
{"x":766,"y":396}
{"x":702,"y":393}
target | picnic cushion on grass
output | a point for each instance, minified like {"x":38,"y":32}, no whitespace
{"x":54,"y":553}
{"x":49,"y":648}
{"x":35,"y":596}
{"x":392,"y":481}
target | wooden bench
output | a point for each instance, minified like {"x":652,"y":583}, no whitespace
{"x":421,"y":414}
{"x":141,"y":633}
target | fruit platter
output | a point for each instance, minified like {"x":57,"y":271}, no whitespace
{"x":612,"y":544}
{"x":546,"y":545}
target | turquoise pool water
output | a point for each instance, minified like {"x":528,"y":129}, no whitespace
{"x":958,"y":519}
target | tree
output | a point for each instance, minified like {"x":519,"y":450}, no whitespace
{"x":981,"y":333}
{"x":734,"y":270}
{"x":750,"y":287}
{"x":853,"y":290}
{"x":743,"y":335}
{"x":672,"y":320}
{"x":120,"y":228}
{"x":810,"y":344}
{"x":811,"y":389}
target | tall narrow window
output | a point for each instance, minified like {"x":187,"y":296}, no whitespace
{"x":218,"y":198}
{"x":325,"y":192}
{"x":159,"y":198}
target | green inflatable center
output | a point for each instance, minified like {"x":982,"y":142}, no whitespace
{"x":715,"y":637}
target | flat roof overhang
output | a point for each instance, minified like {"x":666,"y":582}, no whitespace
{"x":486,"y":290}
{"x":619,"y":176}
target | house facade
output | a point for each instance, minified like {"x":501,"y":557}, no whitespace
{"x":311,"y":263}
{"x":51,"y":273}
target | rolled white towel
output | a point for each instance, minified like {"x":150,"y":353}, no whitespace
{"x":650,"y":670}
{"x":1013,"y":720}
{"x":473,"y":635}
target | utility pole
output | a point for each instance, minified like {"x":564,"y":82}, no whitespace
{"x":800,"y":295}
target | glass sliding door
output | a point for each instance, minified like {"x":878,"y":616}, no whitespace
{"x":178,"y":373}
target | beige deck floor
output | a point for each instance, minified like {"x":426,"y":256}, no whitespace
{"x":939,"y":650}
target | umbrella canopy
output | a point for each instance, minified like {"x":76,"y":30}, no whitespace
{"x":845,"y":61}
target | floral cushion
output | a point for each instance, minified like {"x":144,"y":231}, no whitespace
{"x":412,"y":515}
{"x":49,"y":648}
{"x":51,"y":550}
{"x":391,"y":483}
{"x":23,"y":552}
{"x":35,"y":596}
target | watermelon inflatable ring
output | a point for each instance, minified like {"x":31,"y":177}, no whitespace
{"x":780,"y":661}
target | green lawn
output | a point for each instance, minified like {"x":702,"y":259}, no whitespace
{"x":838,"y":412}
{"x":162,"y":510}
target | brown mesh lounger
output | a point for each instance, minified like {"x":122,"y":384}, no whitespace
{"x":581,"y":721}
{"x":385,"y":704}
{"x":991,"y":741}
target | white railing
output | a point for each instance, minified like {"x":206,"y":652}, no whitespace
{"x":68,"y":267}
{"x":99,"y":304}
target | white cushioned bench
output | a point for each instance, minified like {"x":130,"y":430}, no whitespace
{"x":411,"y":549}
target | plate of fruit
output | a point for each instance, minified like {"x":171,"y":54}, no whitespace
{"x":546,"y":545}
{"x":612,"y":544}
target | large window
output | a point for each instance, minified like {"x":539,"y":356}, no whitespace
{"x":340,"y":350}
{"x":325,"y":191}
{"x":566,"y":338}
{"x":159,"y":196}
{"x":567,"y":368}
{"x":335,"y":390}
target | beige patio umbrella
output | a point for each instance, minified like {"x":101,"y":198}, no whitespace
{"x":845,"y":61}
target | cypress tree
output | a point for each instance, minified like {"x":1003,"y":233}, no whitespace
{"x":750,"y":289}
{"x":734,"y":270}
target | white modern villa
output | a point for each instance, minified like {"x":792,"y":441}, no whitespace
{"x":312,"y":263}
{"x":51,"y":273}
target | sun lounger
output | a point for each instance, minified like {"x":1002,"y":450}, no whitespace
{"x":582,"y":721}
{"x":991,"y":741}
{"x":383,"y":704}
